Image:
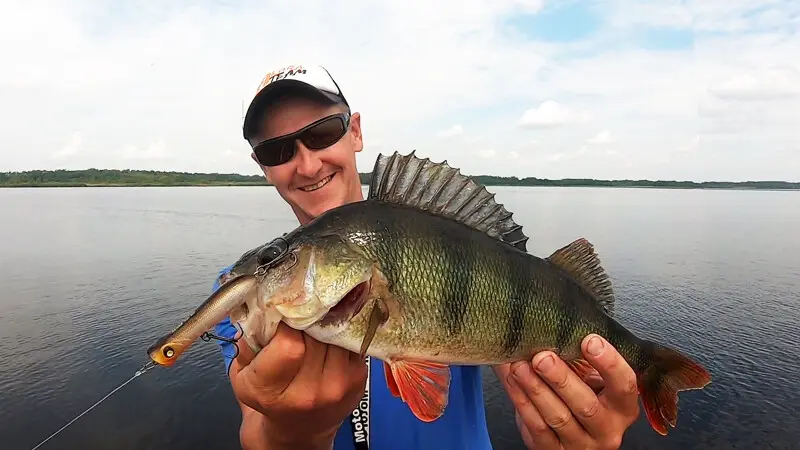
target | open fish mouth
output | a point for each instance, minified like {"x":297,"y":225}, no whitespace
{"x":348,"y":307}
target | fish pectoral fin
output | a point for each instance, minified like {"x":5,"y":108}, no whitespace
{"x":377,"y":317}
{"x":424,"y":386}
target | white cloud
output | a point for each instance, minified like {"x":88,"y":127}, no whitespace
{"x":773,"y":83}
{"x":603,"y":137}
{"x":704,"y":15}
{"x":549,"y":114}
{"x":530,"y":6}
{"x":162,"y":85}
{"x":455,"y":130}
{"x":664,"y":13}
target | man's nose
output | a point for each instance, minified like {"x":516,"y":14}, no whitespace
{"x":308,"y":163}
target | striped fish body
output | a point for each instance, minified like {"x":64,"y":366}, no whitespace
{"x":458,"y":296}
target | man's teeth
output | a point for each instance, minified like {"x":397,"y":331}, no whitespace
{"x":314,"y":187}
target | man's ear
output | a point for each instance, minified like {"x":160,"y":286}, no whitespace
{"x":355,"y":130}
{"x":263,"y":169}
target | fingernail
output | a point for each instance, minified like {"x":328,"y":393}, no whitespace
{"x":595,"y":346}
{"x":545,"y":364}
{"x":520,"y":370}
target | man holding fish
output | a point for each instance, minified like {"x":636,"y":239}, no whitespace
{"x":298,"y":393}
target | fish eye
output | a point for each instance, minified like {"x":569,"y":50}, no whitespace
{"x":272,"y":251}
{"x":169,"y":352}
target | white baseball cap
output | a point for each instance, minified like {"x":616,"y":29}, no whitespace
{"x":311,"y":80}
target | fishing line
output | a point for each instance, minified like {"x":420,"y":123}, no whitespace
{"x":144,"y":369}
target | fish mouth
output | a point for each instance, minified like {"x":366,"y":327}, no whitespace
{"x":350,"y":305}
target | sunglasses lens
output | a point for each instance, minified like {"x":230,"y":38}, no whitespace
{"x":324,"y":134}
{"x":275,"y":153}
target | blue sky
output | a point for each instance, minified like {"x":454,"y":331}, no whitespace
{"x":695,"y":89}
{"x":565,"y":22}
{"x":586,"y":21}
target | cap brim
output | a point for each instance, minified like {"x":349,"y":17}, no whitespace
{"x":280,"y":88}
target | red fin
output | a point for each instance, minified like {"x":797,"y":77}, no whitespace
{"x":387,"y":370}
{"x":424,"y":386}
{"x":587,"y":373}
{"x":582,"y":368}
{"x":669,"y":373}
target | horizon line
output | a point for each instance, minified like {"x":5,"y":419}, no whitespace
{"x":509,"y":177}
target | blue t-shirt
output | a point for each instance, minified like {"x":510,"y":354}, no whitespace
{"x":392,"y":425}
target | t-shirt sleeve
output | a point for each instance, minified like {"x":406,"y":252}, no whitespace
{"x":225,"y":328}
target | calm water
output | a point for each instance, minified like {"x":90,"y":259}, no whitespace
{"x":91,"y":276}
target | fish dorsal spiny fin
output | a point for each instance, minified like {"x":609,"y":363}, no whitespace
{"x":442,"y":190}
{"x":580,"y":261}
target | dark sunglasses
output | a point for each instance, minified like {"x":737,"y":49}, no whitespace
{"x":316,"y":136}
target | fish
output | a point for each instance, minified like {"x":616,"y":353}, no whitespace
{"x":428,"y":272}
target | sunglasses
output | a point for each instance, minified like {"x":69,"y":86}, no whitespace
{"x":316,"y":136}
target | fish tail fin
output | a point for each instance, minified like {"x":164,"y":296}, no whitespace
{"x":669,"y":372}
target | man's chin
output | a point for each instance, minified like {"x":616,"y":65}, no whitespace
{"x":319,"y":206}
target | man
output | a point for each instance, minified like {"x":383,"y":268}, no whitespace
{"x":298,"y":393}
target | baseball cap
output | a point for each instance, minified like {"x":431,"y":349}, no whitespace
{"x":312,"y":80}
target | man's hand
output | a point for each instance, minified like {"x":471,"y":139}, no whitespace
{"x":555,"y":409}
{"x":296,"y":392}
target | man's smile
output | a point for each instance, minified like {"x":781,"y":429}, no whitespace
{"x":318,"y":185}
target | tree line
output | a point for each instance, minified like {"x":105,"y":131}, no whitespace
{"x":125,"y":177}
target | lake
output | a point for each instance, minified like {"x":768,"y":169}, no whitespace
{"x":91,"y":276}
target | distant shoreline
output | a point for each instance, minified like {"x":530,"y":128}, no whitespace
{"x":609,"y":186}
{"x":144,"y":178}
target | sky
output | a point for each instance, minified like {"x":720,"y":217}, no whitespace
{"x":680,"y":90}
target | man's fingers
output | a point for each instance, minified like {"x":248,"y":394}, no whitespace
{"x":337,"y":361}
{"x":535,"y":432}
{"x":310,"y":373}
{"x":341,"y":361}
{"x":619,"y":378}
{"x":527,"y":438}
{"x":581,"y":400}
{"x":277,"y":364}
{"x":551,"y":408}
{"x":313,"y":359}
